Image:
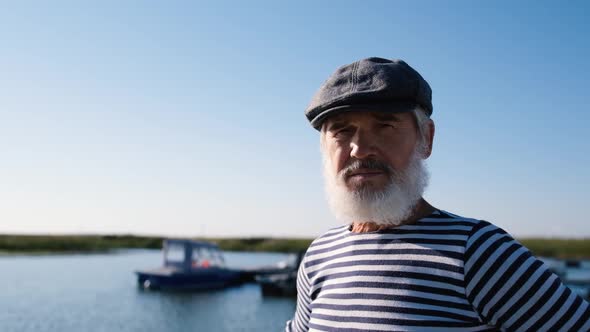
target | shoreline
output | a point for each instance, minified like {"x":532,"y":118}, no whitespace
{"x":10,"y":245}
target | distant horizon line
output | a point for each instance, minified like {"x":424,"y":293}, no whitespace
{"x":145,"y":235}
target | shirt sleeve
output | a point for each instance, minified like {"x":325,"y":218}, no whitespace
{"x":300,"y":321}
{"x":514,"y":291}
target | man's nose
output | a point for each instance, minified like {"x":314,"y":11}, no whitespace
{"x":362,"y":145}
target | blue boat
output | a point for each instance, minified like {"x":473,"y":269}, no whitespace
{"x":190,"y":264}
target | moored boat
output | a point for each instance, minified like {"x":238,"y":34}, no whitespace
{"x":575,"y":274}
{"x":281,"y":283}
{"x":190,"y":264}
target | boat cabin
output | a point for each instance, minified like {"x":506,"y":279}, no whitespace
{"x":192,"y":255}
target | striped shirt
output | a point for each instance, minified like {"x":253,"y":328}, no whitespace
{"x":442,"y":273}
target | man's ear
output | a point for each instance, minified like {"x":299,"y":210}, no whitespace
{"x":429,"y":139}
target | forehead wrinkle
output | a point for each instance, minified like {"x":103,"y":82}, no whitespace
{"x":386,"y":116}
{"x":343,"y":119}
{"x":374,"y":114}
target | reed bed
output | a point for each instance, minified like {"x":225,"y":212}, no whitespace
{"x":15,"y":244}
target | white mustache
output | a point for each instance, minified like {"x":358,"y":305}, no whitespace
{"x":369,"y":164}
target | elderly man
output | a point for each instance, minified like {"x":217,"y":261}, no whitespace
{"x":398,"y":263}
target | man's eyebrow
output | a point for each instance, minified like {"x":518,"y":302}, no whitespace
{"x":336,"y":124}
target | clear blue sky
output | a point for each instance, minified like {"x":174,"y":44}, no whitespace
{"x":186,"y":118}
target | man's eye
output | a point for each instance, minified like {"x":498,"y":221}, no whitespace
{"x":387,"y":125}
{"x":342,"y":132}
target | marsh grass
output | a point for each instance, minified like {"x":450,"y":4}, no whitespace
{"x":558,"y":248}
{"x":43,"y":244}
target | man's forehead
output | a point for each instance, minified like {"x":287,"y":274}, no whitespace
{"x":382,"y":116}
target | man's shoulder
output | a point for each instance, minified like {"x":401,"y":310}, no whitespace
{"x":332,"y":234}
{"x":440,"y":219}
{"x":446,"y":217}
{"x":323,"y":242}
{"x":475,"y":225}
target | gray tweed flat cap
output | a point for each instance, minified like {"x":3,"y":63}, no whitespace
{"x":372,"y":84}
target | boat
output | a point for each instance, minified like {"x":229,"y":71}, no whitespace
{"x":279,"y":284}
{"x":190,"y":264}
{"x":284,"y":282}
{"x":575,"y":274}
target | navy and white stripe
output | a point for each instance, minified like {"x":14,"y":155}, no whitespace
{"x":442,"y":273}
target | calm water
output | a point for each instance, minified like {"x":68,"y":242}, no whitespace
{"x":99,"y":293}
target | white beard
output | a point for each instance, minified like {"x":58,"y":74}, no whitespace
{"x":387,"y":207}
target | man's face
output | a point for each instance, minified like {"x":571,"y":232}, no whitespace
{"x":373,"y":164}
{"x":383,"y":138}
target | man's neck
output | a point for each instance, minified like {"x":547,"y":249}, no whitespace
{"x":421,"y":210}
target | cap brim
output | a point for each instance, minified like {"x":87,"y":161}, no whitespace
{"x":396,"y":107}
